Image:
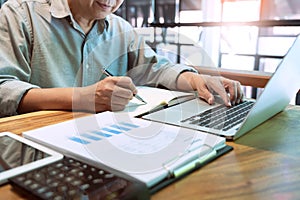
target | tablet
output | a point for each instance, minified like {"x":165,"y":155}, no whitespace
{"x":19,"y":155}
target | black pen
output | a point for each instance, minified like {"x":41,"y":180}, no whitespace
{"x":107,"y":73}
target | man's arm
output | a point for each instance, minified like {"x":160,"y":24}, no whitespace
{"x":46,"y":99}
{"x":15,"y":40}
{"x":112,"y":93}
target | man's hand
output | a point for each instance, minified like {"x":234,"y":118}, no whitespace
{"x":229,"y":90}
{"x":112,"y":93}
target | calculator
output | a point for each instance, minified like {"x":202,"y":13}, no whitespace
{"x":72,"y":179}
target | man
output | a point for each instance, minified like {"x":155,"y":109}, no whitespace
{"x":53,"y":53}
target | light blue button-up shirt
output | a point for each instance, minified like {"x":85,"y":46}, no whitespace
{"x":41,"y":45}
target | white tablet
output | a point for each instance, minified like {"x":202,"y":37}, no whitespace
{"x":19,"y":155}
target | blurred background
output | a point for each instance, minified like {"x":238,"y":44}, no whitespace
{"x":251,"y":35}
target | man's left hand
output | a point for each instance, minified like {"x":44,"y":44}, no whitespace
{"x":229,"y":90}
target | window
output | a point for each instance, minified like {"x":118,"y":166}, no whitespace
{"x":266,"y":44}
{"x":235,"y":34}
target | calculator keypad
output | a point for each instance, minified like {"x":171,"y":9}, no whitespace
{"x":71,"y":179}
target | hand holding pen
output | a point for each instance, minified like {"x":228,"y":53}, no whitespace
{"x":107,"y":73}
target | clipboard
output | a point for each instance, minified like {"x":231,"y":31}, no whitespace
{"x":185,"y":173}
{"x":154,"y":153}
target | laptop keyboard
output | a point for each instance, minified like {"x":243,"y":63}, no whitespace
{"x":221,"y":117}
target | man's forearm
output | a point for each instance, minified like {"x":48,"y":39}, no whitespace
{"x":46,"y":99}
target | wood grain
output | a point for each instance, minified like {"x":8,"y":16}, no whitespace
{"x":263,"y":165}
{"x":20,"y":123}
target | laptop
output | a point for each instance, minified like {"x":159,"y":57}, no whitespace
{"x":234,"y":122}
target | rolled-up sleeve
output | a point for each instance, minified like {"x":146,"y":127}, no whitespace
{"x":11,"y":93}
{"x":151,"y":68}
{"x":14,"y":59}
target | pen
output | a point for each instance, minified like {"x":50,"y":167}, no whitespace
{"x":107,"y":73}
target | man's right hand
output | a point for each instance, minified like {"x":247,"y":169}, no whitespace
{"x":110,"y":94}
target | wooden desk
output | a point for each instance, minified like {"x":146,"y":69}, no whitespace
{"x":264,"y":164}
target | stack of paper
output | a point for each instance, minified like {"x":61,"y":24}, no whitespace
{"x":152,"y":152}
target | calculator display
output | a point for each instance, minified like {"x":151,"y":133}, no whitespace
{"x":15,"y":153}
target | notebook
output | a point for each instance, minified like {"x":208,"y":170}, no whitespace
{"x":156,"y":99}
{"x":279,"y":91}
{"x":154,"y":153}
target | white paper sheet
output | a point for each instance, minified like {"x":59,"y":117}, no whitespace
{"x":138,"y":147}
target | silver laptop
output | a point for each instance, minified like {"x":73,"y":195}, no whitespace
{"x":238,"y":120}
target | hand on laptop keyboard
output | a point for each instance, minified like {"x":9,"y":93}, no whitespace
{"x":229,"y":90}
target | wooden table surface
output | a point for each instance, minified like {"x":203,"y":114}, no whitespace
{"x":265,"y":163}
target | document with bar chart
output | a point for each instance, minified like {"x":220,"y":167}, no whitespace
{"x":149,"y":151}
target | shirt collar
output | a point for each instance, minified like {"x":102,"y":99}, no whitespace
{"x":60,"y":8}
